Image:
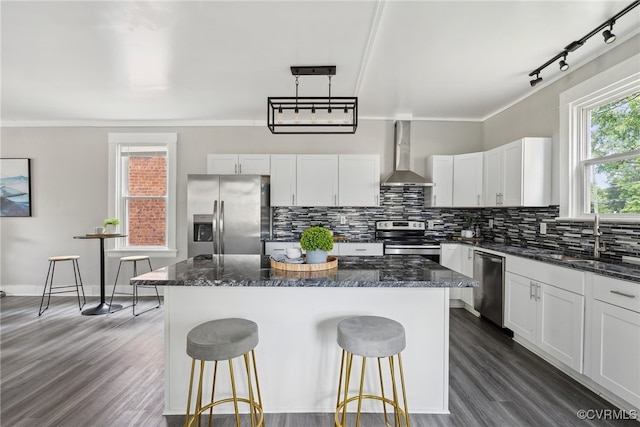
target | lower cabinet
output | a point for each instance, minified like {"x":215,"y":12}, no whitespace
{"x":341,"y":248}
{"x":615,"y":337}
{"x":547,"y":316}
{"x":459,"y":258}
{"x":466,"y":264}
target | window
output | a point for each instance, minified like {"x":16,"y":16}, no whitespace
{"x":600,"y":157}
{"x":142,"y":189}
{"x":611,"y":156}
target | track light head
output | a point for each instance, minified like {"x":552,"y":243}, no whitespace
{"x":563,"y":64}
{"x":535,"y":81}
{"x":609,"y":37}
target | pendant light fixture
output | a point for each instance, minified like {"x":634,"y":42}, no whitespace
{"x":607,"y":34}
{"x":312,"y":115}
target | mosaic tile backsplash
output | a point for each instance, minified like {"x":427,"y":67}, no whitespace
{"x":516,"y":226}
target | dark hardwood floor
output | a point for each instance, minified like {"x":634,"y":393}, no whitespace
{"x":64,"y":369}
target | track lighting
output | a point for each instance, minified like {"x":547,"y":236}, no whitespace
{"x":607,"y":34}
{"x":297,"y":115}
{"x":535,"y":81}
{"x":609,"y":37}
{"x":563,"y":64}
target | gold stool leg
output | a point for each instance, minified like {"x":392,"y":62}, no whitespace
{"x":193,"y":366}
{"x":233,"y":391}
{"x":213,"y":390}
{"x":364,"y":364}
{"x":384,"y":404}
{"x":404,"y":391}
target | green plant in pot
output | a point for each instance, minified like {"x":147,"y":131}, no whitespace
{"x":317,"y":241}
{"x":110,"y":222}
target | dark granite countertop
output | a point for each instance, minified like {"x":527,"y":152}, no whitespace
{"x":339,"y":239}
{"x":353,"y":271}
{"x":624,"y":271}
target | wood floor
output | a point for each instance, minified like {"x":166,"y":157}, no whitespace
{"x":67,"y":370}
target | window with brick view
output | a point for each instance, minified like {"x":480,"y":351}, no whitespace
{"x":147,"y":199}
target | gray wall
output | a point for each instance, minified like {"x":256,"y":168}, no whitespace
{"x":538,"y":115}
{"x":70,"y":181}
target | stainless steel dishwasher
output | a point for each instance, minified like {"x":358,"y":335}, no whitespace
{"x":488,"y":297}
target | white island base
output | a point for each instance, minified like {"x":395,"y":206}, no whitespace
{"x":298,"y":357}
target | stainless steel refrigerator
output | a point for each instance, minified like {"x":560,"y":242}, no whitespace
{"x":227,"y":214}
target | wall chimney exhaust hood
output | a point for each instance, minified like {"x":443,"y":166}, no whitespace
{"x":401,"y":175}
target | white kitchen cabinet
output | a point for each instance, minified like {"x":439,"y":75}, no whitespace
{"x":317,"y":180}
{"x":518,"y":173}
{"x":467,"y":179}
{"x":615,"y":337}
{"x":358,"y":180}
{"x":279,"y":248}
{"x":450,"y":258}
{"x":339,"y":248}
{"x":546,"y":308}
{"x":243,"y":164}
{"x":466,"y":263}
{"x":360,"y":249}
{"x":439,"y":171}
{"x":283,"y":180}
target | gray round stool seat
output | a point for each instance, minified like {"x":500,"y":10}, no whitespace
{"x":371,"y":336}
{"x":222,"y":339}
{"x":380,"y":338}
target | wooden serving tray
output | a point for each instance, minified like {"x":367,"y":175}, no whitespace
{"x":468,"y":239}
{"x":332,"y":262}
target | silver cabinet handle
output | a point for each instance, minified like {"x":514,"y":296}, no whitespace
{"x":434,"y":200}
{"x":469,"y":253}
{"x":240,"y":168}
{"x":335,"y":200}
{"x":537,"y":292}
{"x":222,"y":227}
{"x":377,"y":201}
{"x":497,"y":199}
{"x":478,"y":200}
{"x":623,"y":294}
{"x":361,"y":249}
{"x":214,"y":225}
{"x":293,"y":200}
{"x":235,"y":168}
{"x":531,"y":294}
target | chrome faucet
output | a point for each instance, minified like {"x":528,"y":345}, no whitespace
{"x":597,"y":246}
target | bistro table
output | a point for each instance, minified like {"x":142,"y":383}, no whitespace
{"x":103,"y":307}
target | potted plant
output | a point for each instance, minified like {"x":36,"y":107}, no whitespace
{"x":110,"y":222}
{"x":317,"y":241}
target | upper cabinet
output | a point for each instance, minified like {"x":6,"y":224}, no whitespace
{"x":467,"y":179}
{"x":283,"y":180}
{"x":244,"y":164}
{"x":519,"y":173}
{"x":440,"y":172}
{"x":358,"y":180}
{"x":457,"y":180}
{"x":317,"y":176}
{"x":325,"y":180}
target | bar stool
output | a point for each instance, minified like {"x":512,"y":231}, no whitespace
{"x":371,"y":336}
{"x":219,"y":340}
{"x":48,"y":283}
{"x":134,"y":302}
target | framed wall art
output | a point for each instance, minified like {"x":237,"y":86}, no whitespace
{"x":15,"y":187}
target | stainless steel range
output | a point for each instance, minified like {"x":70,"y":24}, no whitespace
{"x":407,"y":238}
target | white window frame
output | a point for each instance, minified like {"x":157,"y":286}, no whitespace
{"x":116,"y":206}
{"x":614,"y":83}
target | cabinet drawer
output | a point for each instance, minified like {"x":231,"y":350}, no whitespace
{"x":362,"y":249}
{"x":618,"y":292}
{"x":277,"y":248}
{"x":560,"y":277}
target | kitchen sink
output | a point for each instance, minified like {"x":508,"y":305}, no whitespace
{"x":573,"y":259}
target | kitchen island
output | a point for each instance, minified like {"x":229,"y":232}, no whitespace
{"x":297,"y":314}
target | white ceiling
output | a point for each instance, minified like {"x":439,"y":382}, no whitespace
{"x":216,"y":62}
